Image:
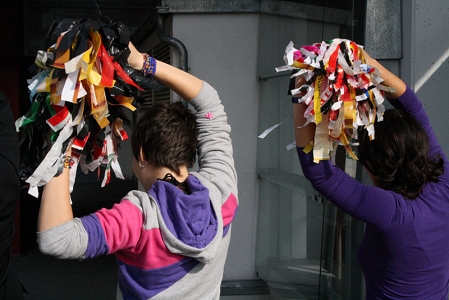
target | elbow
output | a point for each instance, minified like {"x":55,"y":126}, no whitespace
{"x":63,"y":242}
{"x":49,"y":249}
{"x":59,"y":251}
{"x":308,"y":176}
{"x":46,"y":249}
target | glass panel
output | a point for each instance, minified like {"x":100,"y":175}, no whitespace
{"x":291,"y":259}
{"x":306,"y":247}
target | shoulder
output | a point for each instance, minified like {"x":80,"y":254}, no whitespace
{"x":219,"y":190}
{"x":135,"y":197}
{"x":207,"y":97}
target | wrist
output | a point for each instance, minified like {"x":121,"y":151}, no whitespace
{"x":137,"y":65}
{"x":135,"y":60}
{"x":66,"y":163}
{"x":149,"y":65}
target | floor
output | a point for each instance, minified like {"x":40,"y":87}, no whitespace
{"x":48,"y":278}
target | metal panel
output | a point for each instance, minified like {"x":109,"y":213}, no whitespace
{"x":196,"y":6}
{"x":285,"y":8}
{"x":306,"y":11}
{"x":39,"y":16}
{"x":101,"y":4}
{"x":383,"y":36}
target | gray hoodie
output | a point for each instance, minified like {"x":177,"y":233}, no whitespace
{"x":168,"y":245}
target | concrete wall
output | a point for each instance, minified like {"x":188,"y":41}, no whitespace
{"x":422,"y":61}
{"x":230,"y":65}
{"x":425,"y":63}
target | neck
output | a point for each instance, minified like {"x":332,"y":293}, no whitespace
{"x":159,"y":173}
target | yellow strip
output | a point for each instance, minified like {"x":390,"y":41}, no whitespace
{"x":80,"y":112}
{"x":125,"y":101}
{"x":308,"y":148}
{"x":101,"y":120}
{"x":48,"y":81}
{"x":344,"y":140}
{"x":86,"y":58}
{"x":317,"y":100}
{"x":301,"y":65}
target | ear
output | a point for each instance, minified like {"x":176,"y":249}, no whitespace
{"x":141,"y":155}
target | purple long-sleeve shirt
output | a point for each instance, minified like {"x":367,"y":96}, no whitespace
{"x":405,"y":249}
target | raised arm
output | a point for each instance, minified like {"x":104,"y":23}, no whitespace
{"x":403,"y":97}
{"x":215,"y":153}
{"x":390,"y":79}
{"x":183,"y":83}
{"x":303,"y":135}
{"x":55,"y":207}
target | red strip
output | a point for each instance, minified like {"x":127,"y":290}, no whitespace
{"x":59,"y":117}
{"x":124,"y":76}
{"x":107,"y":68}
{"x":332,"y":65}
{"x":80,"y":143}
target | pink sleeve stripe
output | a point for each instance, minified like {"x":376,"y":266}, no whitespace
{"x":229,"y":209}
{"x":122,"y":225}
{"x":150,"y":253}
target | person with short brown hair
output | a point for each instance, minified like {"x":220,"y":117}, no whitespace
{"x":171,"y":239}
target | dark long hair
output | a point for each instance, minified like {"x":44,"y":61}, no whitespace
{"x":167,"y":134}
{"x":398,"y":156}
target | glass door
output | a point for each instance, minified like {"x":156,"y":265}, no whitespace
{"x":306,"y":247}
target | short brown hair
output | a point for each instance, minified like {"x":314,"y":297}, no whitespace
{"x":399,"y":154}
{"x":167,"y":134}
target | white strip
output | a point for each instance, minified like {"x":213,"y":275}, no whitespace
{"x":431,"y":70}
{"x":267,"y":131}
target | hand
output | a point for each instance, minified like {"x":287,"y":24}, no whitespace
{"x":389,"y":78}
{"x":135,"y":58}
{"x":299,"y":82}
{"x":367,"y":57}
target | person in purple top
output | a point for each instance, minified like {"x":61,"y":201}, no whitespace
{"x":405,"y":249}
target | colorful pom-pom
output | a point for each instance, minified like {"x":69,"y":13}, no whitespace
{"x":339,"y":87}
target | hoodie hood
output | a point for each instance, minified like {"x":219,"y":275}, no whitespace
{"x":188,"y":222}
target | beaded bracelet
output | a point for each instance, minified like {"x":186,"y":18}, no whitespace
{"x":149,"y":65}
{"x":68,"y":162}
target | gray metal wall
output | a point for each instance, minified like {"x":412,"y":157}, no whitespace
{"x":425,"y":63}
{"x":410,"y":38}
{"x":223,"y":51}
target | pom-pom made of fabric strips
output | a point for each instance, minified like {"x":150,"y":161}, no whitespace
{"x":81,"y":86}
{"x":341,"y":90}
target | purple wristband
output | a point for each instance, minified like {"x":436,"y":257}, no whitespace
{"x":149,"y":65}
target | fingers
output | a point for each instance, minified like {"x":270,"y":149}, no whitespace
{"x":135,"y":58}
